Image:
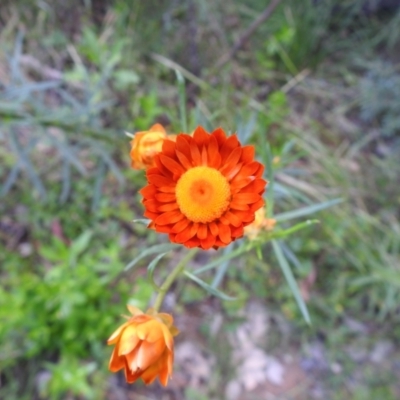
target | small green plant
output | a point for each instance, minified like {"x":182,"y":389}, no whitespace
{"x":68,"y":377}
{"x":61,"y":306}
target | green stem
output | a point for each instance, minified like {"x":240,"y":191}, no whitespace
{"x":171,"y":278}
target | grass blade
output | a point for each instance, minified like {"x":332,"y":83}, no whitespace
{"x":207,"y":287}
{"x":151,"y":267}
{"x":158,"y":248}
{"x":293,"y":229}
{"x":240,"y":250}
{"x":182,"y":100}
{"x":287,"y":272}
{"x":306,"y":210}
{"x":221,"y":271}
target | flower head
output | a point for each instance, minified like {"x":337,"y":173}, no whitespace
{"x":260,"y":223}
{"x":144,"y":346}
{"x":203,"y":189}
{"x":145,"y":145}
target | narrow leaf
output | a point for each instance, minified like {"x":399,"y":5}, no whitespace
{"x":242,"y":249}
{"x":283,"y":233}
{"x":223,"y":267}
{"x":81,"y":243}
{"x":151,"y":250}
{"x":270,"y":177}
{"x":207,"y":287}
{"x":151,"y":267}
{"x":306,"y":210}
{"x":291,"y":256}
{"x":287,"y":272}
{"x":182,"y":99}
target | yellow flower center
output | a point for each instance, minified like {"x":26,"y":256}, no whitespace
{"x":203,"y":194}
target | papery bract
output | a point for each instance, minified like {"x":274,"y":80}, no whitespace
{"x":145,"y":145}
{"x":203,"y":189}
{"x":144,"y":346}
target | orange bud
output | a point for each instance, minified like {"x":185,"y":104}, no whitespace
{"x":145,"y":145}
{"x":172,"y":137}
{"x":144,"y":346}
{"x":259,"y":223}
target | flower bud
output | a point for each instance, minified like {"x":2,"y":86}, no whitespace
{"x":144,"y":346}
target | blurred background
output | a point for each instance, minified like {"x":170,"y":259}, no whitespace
{"x":318,"y":79}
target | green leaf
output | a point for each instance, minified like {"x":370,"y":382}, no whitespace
{"x":242,"y":249}
{"x":182,"y":99}
{"x":270,"y":176}
{"x":291,"y":256}
{"x":207,"y":287}
{"x":293,"y":229}
{"x":223,"y":267}
{"x":79,"y":246}
{"x":306,"y":210}
{"x":158,"y":248}
{"x":287,"y":272}
{"x":151,"y":267}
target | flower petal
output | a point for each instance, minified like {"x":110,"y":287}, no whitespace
{"x":202,"y":231}
{"x":148,"y":191}
{"x":168,"y":148}
{"x":128,"y":341}
{"x":214,"y":158}
{"x":149,"y":331}
{"x":165,"y":197}
{"x":116,"y":362}
{"x":213,"y":228}
{"x":185,"y":234}
{"x":248,"y":153}
{"x":115,"y":336}
{"x":233,"y":219}
{"x":201,"y":136}
{"x":180,"y":226}
{"x":195,"y":153}
{"x":208,"y":242}
{"x":184,"y":160}
{"x":170,"y":217}
{"x":220,"y":135}
{"x":226,"y":149}
{"x":224,"y":233}
{"x":160,"y":180}
{"x":149,"y":353}
{"x":157,"y":128}
{"x":168,"y":207}
{"x":246,"y":198}
{"x":172,"y":165}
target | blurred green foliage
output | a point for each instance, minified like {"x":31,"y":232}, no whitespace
{"x":63,"y":306}
{"x":64,"y":157}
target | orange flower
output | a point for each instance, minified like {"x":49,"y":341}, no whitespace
{"x":145,"y":145}
{"x":144,"y":346}
{"x":259,"y":223}
{"x":204,"y":189}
